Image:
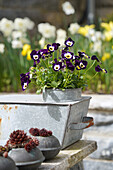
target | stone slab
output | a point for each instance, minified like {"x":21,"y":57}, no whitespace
{"x":70,"y":156}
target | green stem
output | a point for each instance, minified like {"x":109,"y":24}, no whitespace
{"x":93,"y":76}
{"x":90,"y":67}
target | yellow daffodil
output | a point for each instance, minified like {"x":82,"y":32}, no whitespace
{"x":84,"y":30}
{"x":108,"y":35}
{"x":28,"y":54}
{"x":25,"y":49}
{"x":105,"y":56}
{"x":112,"y":46}
{"x":107,"y":26}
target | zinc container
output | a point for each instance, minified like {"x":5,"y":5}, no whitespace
{"x":65,"y":119}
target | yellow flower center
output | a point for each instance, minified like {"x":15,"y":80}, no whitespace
{"x":85,"y":56}
{"x":81,"y":65}
{"x":25,"y":86}
{"x":69,"y":43}
{"x":51,"y":48}
{"x":104,"y":70}
{"x":35,"y":57}
{"x":78,"y":67}
{"x":68,"y":55}
{"x":57,"y":67}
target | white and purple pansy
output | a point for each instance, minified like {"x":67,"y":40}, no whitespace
{"x":98,"y":69}
{"x":69,"y":42}
{"x":66,"y":55}
{"x":35,"y":55}
{"x":77,"y":64}
{"x":82,"y":54}
{"x":53,"y":47}
{"x":83,"y":64}
{"x":44,"y":53}
{"x":57,"y":65}
{"x":80,"y":64}
{"x":25,"y":80}
{"x":70,"y":66}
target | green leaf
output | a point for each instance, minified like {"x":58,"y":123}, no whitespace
{"x":55,"y":84}
{"x":38,"y":91}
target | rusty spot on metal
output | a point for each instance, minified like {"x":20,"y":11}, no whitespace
{"x":10,"y":108}
{"x":0,"y":120}
{"x":16,"y":107}
{"x":5,"y":107}
{"x":8,"y":118}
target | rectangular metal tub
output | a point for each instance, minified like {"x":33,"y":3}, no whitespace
{"x":26,"y":111}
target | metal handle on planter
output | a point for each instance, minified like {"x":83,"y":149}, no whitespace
{"x":86,"y":122}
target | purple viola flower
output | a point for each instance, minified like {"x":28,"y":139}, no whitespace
{"x":66,"y":55}
{"x":53,"y":47}
{"x":82,"y":54}
{"x":57,"y":65}
{"x":35,"y":55}
{"x":94,"y":57}
{"x":77,"y":64}
{"x":98,"y":69}
{"x":44,"y":53}
{"x":76,"y":57}
{"x":69,"y":42}
{"x":25,"y":80}
{"x":83,"y":64}
{"x":70,"y":66}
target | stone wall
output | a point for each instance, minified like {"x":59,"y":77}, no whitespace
{"x":51,"y":11}
{"x":101,"y":109}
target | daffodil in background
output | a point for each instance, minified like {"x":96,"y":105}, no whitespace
{"x":26,"y":50}
{"x":106,"y":56}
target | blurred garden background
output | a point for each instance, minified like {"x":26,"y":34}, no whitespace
{"x":28,"y":25}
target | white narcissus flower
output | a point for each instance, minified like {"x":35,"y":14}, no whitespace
{"x":29,"y":24}
{"x":60,"y":41}
{"x":17,"y":44}
{"x":97,"y":46}
{"x":68,"y":8}
{"x":61,"y":34}
{"x":19,"y":24}
{"x":46,"y":30}
{"x":6,"y":26}
{"x":16,"y":34}
{"x":74,"y":27}
{"x":42,"y":42}
{"x":24,"y":40}
{"x":98,"y":35}
{"x":2,"y":46}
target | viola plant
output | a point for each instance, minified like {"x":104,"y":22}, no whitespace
{"x":60,"y":68}
{"x":19,"y":139}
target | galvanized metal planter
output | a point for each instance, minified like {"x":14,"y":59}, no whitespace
{"x":57,"y":95}
{"x":66,"y":119}
{"x":49,"y":146}
{"x":27,"y":160}
{"x":7,"y":164}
